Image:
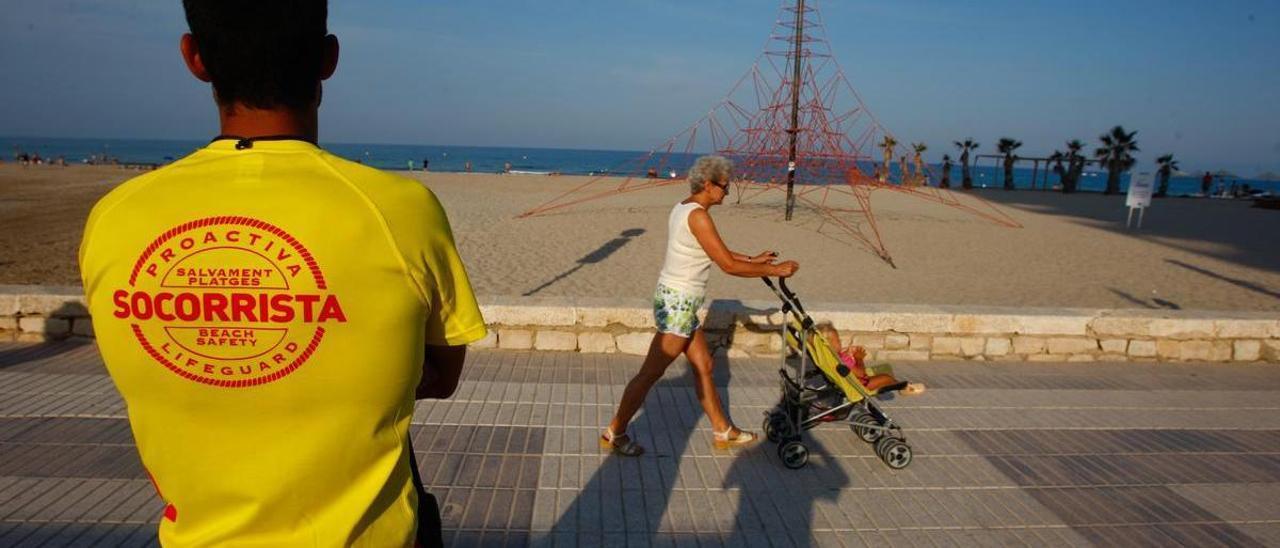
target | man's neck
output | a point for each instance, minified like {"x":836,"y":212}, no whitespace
{"x":245,"y":122}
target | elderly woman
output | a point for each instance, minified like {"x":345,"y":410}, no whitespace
{"x":692,"y":245}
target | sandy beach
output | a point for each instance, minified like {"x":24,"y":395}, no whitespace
{"x":1071,"y":251}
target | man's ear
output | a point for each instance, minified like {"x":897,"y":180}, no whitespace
{"x":191,"y":55}
{"x":330,"y":57}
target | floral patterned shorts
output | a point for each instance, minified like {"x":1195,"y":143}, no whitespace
{"x":676,"y":311}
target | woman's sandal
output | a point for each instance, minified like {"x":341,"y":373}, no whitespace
{"x":722,"y":440}
{"x":620,"y":444}
{"x":913,"y":389}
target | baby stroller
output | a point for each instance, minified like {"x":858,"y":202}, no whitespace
{"x":823,"y":389}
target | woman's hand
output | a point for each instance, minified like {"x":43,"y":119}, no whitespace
{"x":785,"y":269}
{"x":765,"y":257}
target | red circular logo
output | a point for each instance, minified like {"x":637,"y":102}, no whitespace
{"x":228,"y":301}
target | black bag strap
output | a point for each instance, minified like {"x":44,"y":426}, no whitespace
{"x":430,"y":526}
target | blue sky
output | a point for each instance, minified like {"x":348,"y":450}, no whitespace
{"x":1195,"y":78}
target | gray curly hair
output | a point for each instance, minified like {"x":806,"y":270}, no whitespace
{"x":709,"y":168}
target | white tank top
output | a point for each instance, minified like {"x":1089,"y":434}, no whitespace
{"x":687,"y":265}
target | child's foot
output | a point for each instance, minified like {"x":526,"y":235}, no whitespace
{"x":913,"y":388}
{"x":732,"y":437}
{"x":620,"y":444}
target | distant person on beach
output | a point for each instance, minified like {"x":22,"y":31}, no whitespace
{"x":1205,"y":183}
{"x":467,"y":166}
{"x":506,"y":168}
{"x":425,"y":163}
{"x":270,"y":311}
{"x":693,"y":244}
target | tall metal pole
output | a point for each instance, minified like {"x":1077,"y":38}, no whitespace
{"x":795,"y":108}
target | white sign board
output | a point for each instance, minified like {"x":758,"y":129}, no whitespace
{"x":1141,"y":186}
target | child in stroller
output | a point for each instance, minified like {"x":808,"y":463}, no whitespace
{"x":882,"y":380}
{"x":823,"y":389}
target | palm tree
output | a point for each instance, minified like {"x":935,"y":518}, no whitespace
{"x":888,"y":144}
{"x":1006,"y":146}
{"x":1075,"y":166}
{"x":1058,"y":169}
{"x":1114,"y":154}
{"x":1167,"y":166}
{"x":919,"y":148}
{"x":966,"y":178}
{"x":946,"y":172}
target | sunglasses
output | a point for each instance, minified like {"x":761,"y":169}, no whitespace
{"x":722,"y":186}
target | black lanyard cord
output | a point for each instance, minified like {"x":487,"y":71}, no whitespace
{"x":247,"y":142}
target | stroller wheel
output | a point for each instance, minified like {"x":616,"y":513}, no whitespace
{"x":777,"y":427}
{"x":794,"y":454}
{"x":881,"y":444}
{"x":867,"y":428}
{"x":896,"y":454}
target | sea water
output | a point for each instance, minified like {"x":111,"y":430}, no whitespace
{"x":548,"y":160}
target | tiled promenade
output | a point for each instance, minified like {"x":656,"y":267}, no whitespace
{"x":1006,"y":454}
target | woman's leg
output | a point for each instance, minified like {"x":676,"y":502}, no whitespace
{"x":704,"y":381}
{"x":663,"y":350}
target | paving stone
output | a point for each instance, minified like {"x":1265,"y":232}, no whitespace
{"x":998,"y":346}
{"x":870,"y":341}
{"x":1071,"y":345}
{"x":1246,"y":350}
{"x":1142,"y":348}
{"x":1114,"y":346}
{"x":896,"y":341}
{"x":1208,"y":351}
{"x":1005,"y":453}
{"x":1168,"y":350}
{"x":515,"y":339}
{"x":596,"y":343}
{"x":636,"y":344}
{"x":1028,"y":345}
{"x":555,"y":340}
{"x":946,"y":346}
{"x":490,"y":340}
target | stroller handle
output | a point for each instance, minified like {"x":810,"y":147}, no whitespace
{"x":786,"y":295}
{"x":782,"y":282}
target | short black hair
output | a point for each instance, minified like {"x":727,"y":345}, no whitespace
{"x":262,"y":54}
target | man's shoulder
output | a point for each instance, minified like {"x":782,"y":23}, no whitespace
{"x":393,"y":195}
{"x":132,"y":186}
{"x":371,"y":179}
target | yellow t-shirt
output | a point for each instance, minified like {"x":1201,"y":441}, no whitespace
{"x":263,"y":312}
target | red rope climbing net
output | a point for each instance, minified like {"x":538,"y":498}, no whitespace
{"x":843,"y":152}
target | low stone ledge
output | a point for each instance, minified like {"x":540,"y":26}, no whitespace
{"x":41,"y":300}
{"x":737,"y":328}
{"x":602,"y":316}
{"x":555,"y":340}
{"x":490,"y":340}
{"x":8,"y":303}
{"x":596,"y":343}
{"x":515,"y":339}
{"x":507,"y":311}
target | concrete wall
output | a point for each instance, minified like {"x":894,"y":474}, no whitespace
{"x":889,"y":332}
